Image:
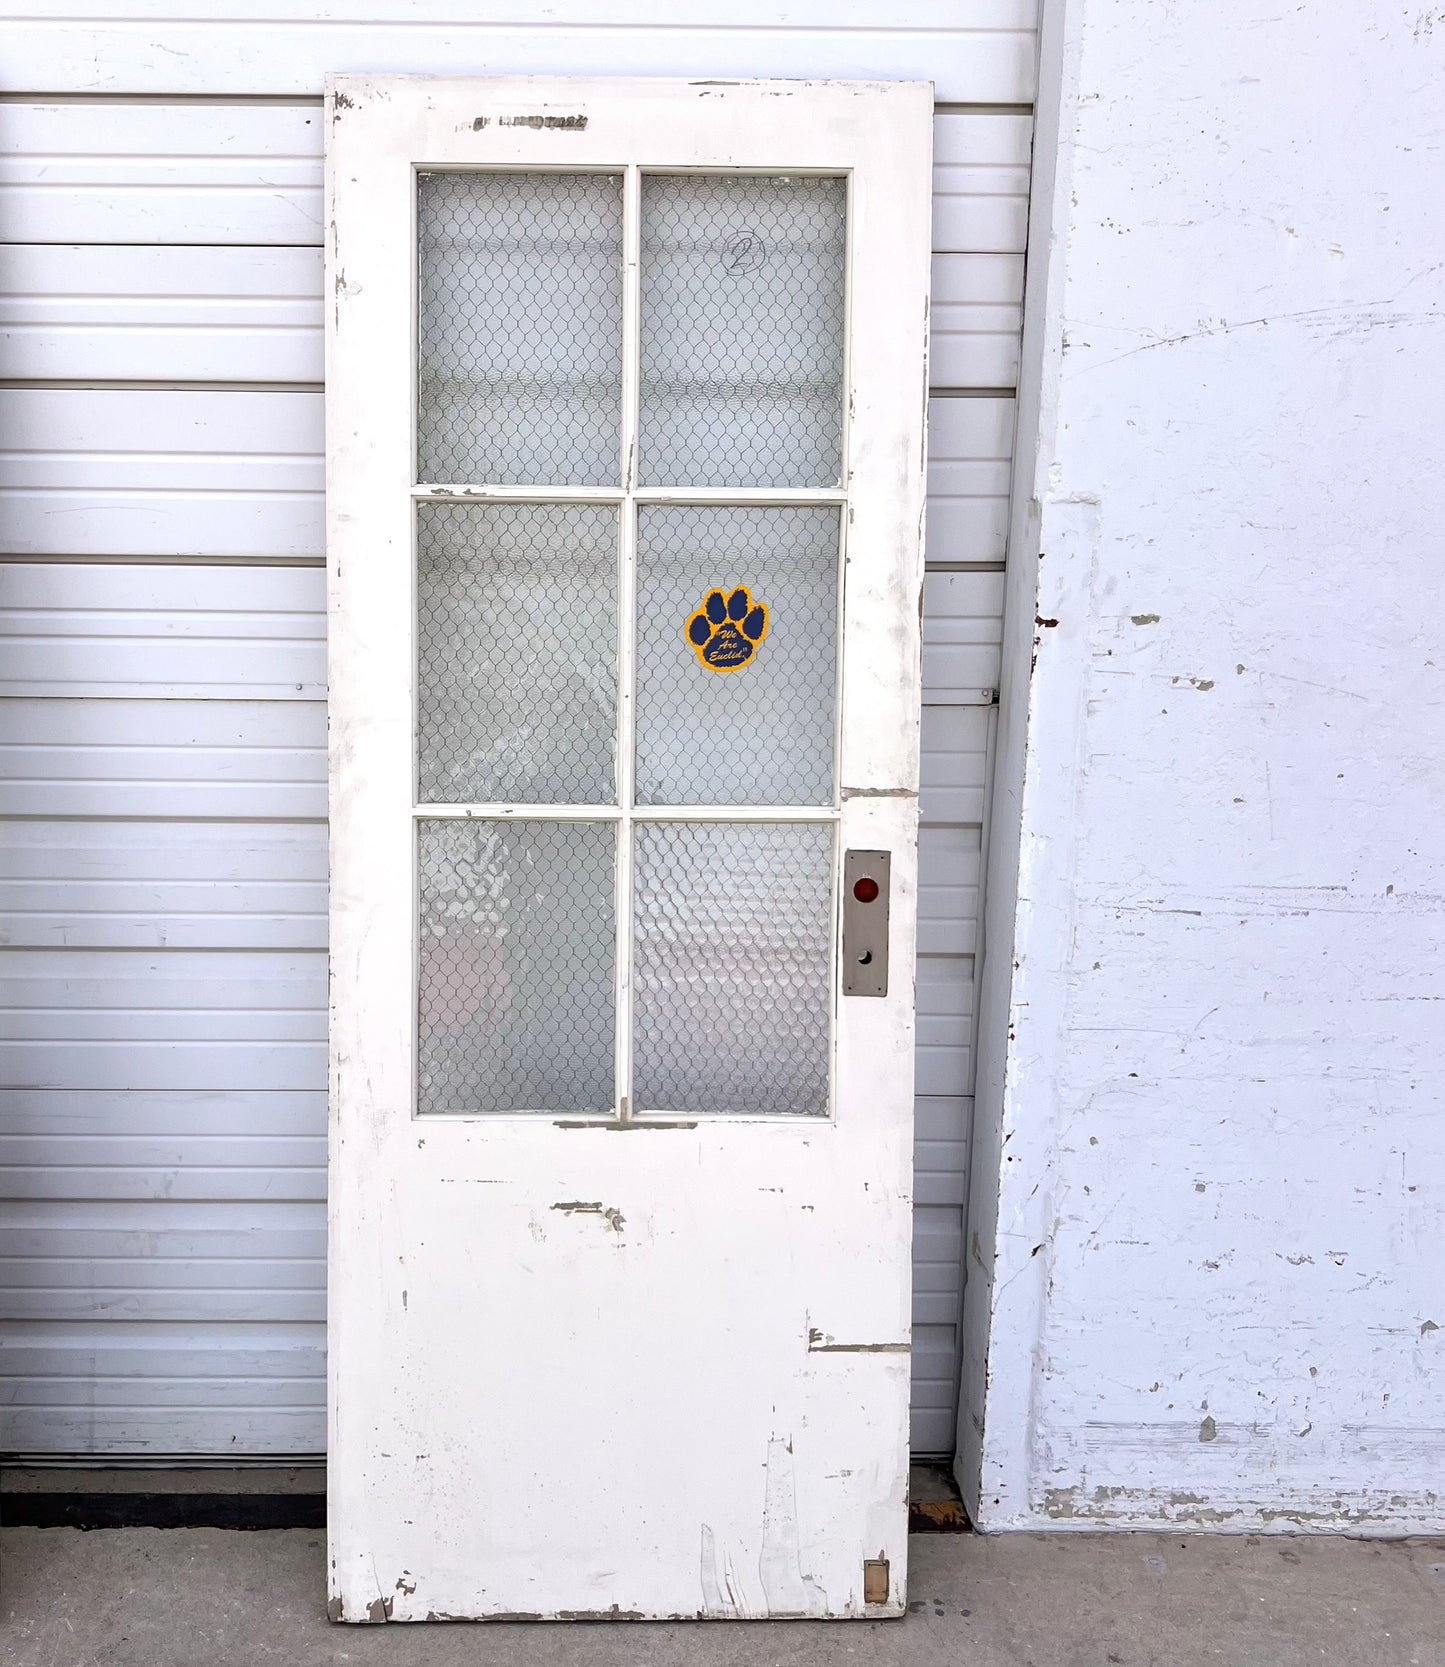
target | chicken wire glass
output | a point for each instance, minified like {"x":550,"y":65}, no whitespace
{"x":752,"y":733}
{"x":519,"y":328}
{"x":515,"y":987}
{"x":742,"y":330}
{"x":517,"y":653}
{"x":732,"y":975}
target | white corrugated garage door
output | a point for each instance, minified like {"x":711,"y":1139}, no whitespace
{"x":162,"y":726}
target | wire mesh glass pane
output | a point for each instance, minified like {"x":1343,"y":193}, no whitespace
{"x":515,"y":992}
{"x":732,"y":978}
{"x":519,"y":328}
{"x":742,"y":330}
{"x":517,"y":653}
{"x":737,"y":622}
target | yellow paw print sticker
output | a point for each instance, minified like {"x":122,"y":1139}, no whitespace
{"x":726,"y":631}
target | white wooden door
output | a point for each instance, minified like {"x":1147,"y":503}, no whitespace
{"x":625,"y":408}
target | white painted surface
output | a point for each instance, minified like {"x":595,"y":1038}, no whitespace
{"x":163,"y":722}
{"x":981,"y":182}
{"x":94,"y":312}
{"x":151,"y":715}
{"x":975,"y":317}
{"x":162,"y":764}
{"x":200,"y":173}
{"x":976,"y":51}
{"x":146,"y":633}
{"x":970,"y":442}
{"x":1218,"y":1172}
{"x":468,"y":1297}
{"x":237,"y":473}
{"x":179,"y":314}
{"x":144,"y":472}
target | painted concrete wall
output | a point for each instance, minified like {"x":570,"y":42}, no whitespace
{"x":1210,"y":1172}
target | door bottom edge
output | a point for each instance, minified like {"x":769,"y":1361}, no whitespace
{"x":603,"y":1617}
{"x":382,"y":1611}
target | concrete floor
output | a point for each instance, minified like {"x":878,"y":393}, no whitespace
{"x":206,"y":1597}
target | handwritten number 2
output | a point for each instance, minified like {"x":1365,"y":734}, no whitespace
{"x":745,"y":253}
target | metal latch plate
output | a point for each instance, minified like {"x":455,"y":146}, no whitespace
{"x":865,"y":922}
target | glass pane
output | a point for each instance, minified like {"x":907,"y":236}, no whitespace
{"x":516,"y":967}
{"x":519,"y":328}
{"x":733,"y":974}
{"x":737,"y":613}
{"x":742,"y":331}
{"x":517,"y":653}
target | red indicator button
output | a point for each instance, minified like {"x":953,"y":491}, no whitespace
{"x":866,"y":890}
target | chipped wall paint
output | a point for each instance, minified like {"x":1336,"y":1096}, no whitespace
{"x":1204,"y":1257}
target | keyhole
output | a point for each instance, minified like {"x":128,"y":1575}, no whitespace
{"x":865,"y":957}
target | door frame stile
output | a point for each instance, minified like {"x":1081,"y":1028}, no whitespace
{"x":627,"y":628}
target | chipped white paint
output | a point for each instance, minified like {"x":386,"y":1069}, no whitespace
{"x":165,"y":657}
{"x":1211,"y":1141}
{"x":574,"y":1373}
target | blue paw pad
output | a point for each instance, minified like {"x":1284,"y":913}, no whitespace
{"x":726,"y":630}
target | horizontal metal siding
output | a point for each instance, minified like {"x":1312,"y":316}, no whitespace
{"x":162,"y":763}
{"x":162,"y":746}
{"x":962,"y":630}
{"x":184,"y":958}
{"x":251,"y":175}
{"x":974,"y":51}
{"x":239,"y":475}
{"x":179,"y":314}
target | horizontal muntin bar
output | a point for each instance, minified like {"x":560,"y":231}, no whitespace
{"x":724,"y":495}
{"x":640,"y":813}
{"x":702,"y":495}
{"x":617,"y":170}
{"x":519,"y":494}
